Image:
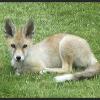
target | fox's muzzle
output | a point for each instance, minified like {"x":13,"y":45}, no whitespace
{"x":19,"y":56}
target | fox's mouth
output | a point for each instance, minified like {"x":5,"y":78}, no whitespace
{"x":19,"y":61}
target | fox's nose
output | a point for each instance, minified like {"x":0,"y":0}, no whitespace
{"x":18,"y":58}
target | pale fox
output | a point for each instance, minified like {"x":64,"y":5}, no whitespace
{"x":58,"y":53}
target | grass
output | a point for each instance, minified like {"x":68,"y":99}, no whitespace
{"x":82,"y":19}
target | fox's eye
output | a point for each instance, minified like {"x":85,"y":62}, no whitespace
{"x":25,"y":45}
{"x":13,"y":46}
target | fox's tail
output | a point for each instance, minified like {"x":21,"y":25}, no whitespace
{"x":87,"y":73}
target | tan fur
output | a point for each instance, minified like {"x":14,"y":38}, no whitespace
{"x":57,"y":53}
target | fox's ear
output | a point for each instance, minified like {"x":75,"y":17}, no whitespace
{"x":29,"y":28}
{"x":9,"y":28}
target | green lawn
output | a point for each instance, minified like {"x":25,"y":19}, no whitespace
{"x":82,"y":19}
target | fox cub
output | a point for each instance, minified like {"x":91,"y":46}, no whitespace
{"x":57,"y":54}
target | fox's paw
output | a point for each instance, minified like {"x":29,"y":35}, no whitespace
{"x":43,"y":71}
{"x":17,"y":73}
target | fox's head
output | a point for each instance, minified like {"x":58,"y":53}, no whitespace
{"x":19,"y":40}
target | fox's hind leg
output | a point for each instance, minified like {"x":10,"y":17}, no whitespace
{"x":66,"y":55}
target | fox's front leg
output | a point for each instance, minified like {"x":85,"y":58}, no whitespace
{"x":17,"y":72}
{"x":16,"y":67}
